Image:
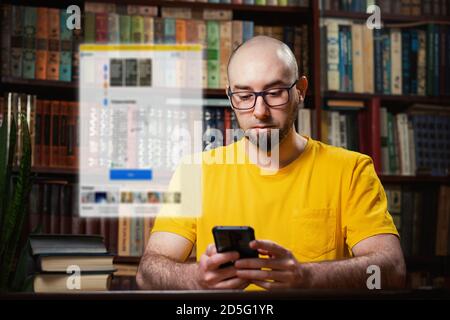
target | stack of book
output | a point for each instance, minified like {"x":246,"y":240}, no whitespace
{"x":70,"y":263}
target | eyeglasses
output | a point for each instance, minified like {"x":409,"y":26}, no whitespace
{"x":273,"y":97}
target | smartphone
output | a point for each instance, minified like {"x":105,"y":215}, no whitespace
{"x":234,"y":239}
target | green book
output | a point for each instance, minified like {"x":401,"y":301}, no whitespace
{"x":125,"y":28}
{"x":169,"y":31}
{"x":65,"y":62}
{"x":89,"y":27}
{"x":29,"y":42}
{"x":213,"y":54}
{"x":137,"y":29}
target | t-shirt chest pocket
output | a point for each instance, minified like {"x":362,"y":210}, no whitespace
{"x":314,"y":232}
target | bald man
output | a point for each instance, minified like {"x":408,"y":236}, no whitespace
{"x":320,"y":218}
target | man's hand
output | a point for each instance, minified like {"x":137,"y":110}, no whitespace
{"x":210,"y":276}
{"x":282,"y":270}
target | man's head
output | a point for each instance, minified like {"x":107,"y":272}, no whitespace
{"x":263,"y":63}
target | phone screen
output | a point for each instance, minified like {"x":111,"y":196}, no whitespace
{"x":235,"y":239}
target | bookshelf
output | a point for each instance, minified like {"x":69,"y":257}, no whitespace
{"x":268,"y":15}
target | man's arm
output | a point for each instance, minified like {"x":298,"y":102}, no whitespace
{"x":162,"y":266}
{"x":286,"y":272}
{"x":381,"y":250}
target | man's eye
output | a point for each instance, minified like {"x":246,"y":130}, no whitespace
{"x":245,"y":96}
{"x":274,"y":93}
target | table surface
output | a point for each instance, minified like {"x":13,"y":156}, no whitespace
{"x":309,"y":294}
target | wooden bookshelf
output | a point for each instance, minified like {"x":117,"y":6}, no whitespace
{"x":268,"y":15}
{"x":402,"y":99}
{"x":386,"y":17}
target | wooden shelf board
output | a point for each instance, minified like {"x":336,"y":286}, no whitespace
{"x":386,"y":18}
{"x":445,"y":100}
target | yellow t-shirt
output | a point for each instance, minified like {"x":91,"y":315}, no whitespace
{"x":319,"y":206}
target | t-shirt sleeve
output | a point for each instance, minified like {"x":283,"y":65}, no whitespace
{"x":365,"y":211}
{"x":185,"y":227}
{"x":181,"y":217}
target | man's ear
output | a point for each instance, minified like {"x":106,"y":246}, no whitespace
{"x":302,"y":86}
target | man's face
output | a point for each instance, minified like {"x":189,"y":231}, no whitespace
{"x":255,"y":69}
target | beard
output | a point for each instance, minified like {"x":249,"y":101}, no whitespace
{"x":268,"y":138}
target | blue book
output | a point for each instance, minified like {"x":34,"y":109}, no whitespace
{"x":342,"y":57}
{"x":413,"y":60}
{"x":436,"y":60}
{"x":406,"y":69}
{"x":349,"y":57}
{"x":378,"y":57}
{"x":247,"y":30}
{"x":430,"y":59}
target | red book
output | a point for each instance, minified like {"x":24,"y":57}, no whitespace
{"x":375,"y":134}
{"x":227,"y":126}
{"x":38,"y":134}
{"x":54,"y":133}
{"x":63,"y":133}
{"x":101,"y":27}
{"x":45,"y":133}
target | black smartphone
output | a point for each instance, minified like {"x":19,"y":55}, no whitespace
{"x":234,"y":239}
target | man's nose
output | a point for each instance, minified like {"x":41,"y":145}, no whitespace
{"x":261,"y":110}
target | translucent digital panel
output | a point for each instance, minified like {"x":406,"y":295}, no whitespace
{"x":140,"y":117}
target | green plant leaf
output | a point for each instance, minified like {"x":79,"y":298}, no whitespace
{"x":5,"y":193}
{"x":6,"y":158}
{"x":16,"y":212}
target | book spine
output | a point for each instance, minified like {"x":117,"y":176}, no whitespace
{"x":113,"y":28}
{"x":386,"y":61}
{"x":124,"y":237}
{"x":413,"y":60}
{"x":77,"y":38}
{"x":53,"y":63}
{"x":65,"y":66}
{"x":396,"y":58}
{"x":55,"y":134}
{"x":368,"y":54}
{"x":333,"y":74}
{"x":421,"y":63}
{"x":430,"y":59}
{"x":37,"y":151}
{"x":89,"y":27}
{"x":45,"y":134}
{"x":225,"y":51}
{"x":213,"y":45}
{"x":137,"y":29}
{"x":357,"y":58}
{"x":29,"y":43}
{"x":42,"y":43}
{"x":169,"y":31}
{"x":406,"y":64}
{"x":16,"y":41}
{"x":101,"y":27}
{"x":5,"y":25}
{"x":378,"y":56}
{"x":64,"y":128}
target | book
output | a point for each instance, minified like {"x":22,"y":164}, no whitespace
{"x":86,"y":262}
{"x":66,"y":244}
{"x":57,"y":283}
